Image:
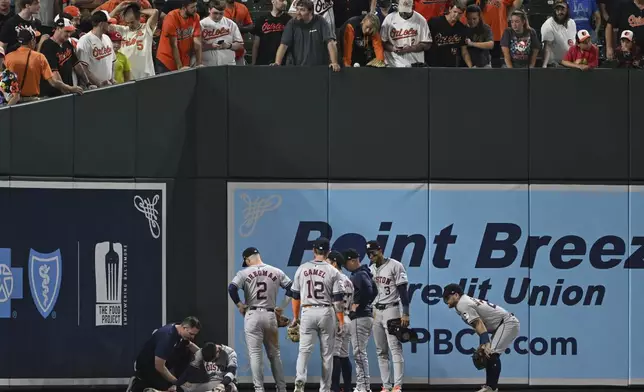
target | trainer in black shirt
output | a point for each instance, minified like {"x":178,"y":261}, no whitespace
{"x":24,"y":19}
{"x":448,"y":39}
{"x":268,"y":33}
{"x":61,"y":57}
{"x":166,"y":349}
{"x":625,"y":15}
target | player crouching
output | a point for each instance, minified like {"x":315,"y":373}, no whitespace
{"x":213,"y":368}
{"x":485,"y":317}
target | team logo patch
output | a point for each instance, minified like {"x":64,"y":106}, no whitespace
{"x":45,"y":273}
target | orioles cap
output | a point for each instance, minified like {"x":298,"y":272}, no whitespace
{"x":627,"y":34}
{"x":583,"y":35}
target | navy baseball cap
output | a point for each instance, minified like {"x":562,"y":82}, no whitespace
{"x":336,"y":257}
{"x":351,"y":254}
{"x":322,"y":244}
{"x":248,"y":252}
{"x":373,"y":245}
{"x":452,"y":288}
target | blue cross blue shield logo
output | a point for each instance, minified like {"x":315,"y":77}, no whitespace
{"x":10,"y":283}
{"x":45,"y":273}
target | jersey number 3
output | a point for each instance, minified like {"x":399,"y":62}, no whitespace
{"x":480,"y":302}
{"x":261,"y":289}
{"x":315,"y":289}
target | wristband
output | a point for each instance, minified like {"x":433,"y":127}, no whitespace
{"x":484,"y":338}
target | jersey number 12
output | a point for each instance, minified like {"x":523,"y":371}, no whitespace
{"x":315,"y":289}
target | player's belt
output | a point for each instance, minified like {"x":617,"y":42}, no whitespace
{"x":385,"y":306}
{"x":260,"y":308}
{"x":315,"y":306}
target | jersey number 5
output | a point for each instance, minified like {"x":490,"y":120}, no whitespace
{"x":315,"y":289}
{"x":261,"y":289}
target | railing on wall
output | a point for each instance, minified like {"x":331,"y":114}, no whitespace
{"x":197,"y":131}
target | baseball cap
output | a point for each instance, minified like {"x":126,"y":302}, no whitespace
{"x":337,"y":257}
{"x":405,"y":6}
{"x":72,"y":10}
{"x":452,"y":288}
{"x":627,"y":34}
{"x":351,"y":253}
{"x":321,"y":244}
{"x":373,"y":245}
{"x":583,"y":35}
{"x":560,"y":3}
{"x":247,"y":253}
{"x":26,"y":35}
{"x":64,"y":23}
{"x":115,"y":36}
{"x":102,"y":16}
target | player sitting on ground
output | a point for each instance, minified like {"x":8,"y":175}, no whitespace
{"x":214,"y":367}
{"x":485,"y":317}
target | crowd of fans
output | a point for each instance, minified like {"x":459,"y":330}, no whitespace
{"x":54,"y":47}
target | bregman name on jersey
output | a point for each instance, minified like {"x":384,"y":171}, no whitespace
{"x":257,"y":273}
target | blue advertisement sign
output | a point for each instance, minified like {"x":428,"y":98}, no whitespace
{"x":82,"y":272}
{"x":564,"y":259}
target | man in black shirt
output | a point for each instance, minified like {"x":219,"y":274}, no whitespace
{"x":268,"y":33}
{"x":448,"y":39}
{"x":625,"y":15}
{"x":22,"y":20}
{"x":309,"y":40}
{"x":61,"y":57}
{"x":167,"y":351}
{"x":5,"y":11}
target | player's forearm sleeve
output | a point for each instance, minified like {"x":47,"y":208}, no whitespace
{"x":404,"y":298}
{"x":289,"y":293}
{"x":296,"y":295}
{"x":233,"y":292}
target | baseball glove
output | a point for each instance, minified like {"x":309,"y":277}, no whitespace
{"x":480,"y":359}
{"x":282,"y":321}
{"x":293,"y":332}
{"x":376,"y":63}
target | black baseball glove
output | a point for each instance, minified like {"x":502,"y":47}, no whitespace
{"x":480,"y":359}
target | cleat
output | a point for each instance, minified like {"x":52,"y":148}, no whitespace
{"x":299,"y":386}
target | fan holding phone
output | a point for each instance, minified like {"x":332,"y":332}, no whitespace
{"x":220,"y":36}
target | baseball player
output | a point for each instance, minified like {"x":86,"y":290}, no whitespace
{"x":485,"y":317}
{"x":216,"y":365}
{"x":260,"y":283}
{"x":341,"y":362}
{"x":317,"y":287}
{"x":405,"y":36}
{"x":361,"y":316}
{"x":391,"y":279}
